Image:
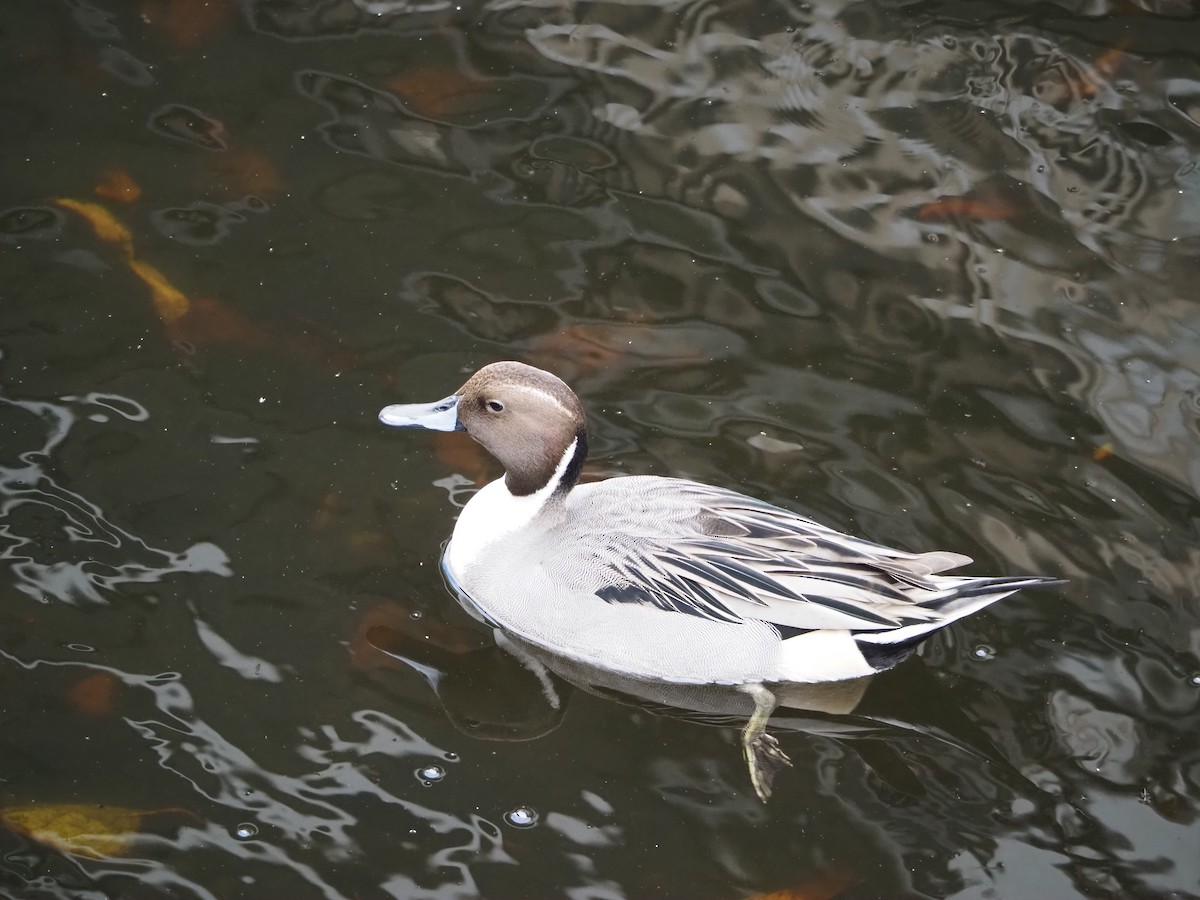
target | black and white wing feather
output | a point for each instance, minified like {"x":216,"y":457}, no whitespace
{"x":742,"y":559}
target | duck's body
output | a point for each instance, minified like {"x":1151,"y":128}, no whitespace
{"x":668,"y":579}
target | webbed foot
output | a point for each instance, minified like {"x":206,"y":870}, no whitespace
{"x":763,"y":757}
{"x":765,"y":760}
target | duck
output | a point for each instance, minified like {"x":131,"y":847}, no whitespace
{"x":670,"y":580}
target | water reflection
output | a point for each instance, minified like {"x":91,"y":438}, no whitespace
{"x":485,"y":691}
{"x":60,"y":545}
{"x":924,"y":275}
{"x":873,"y":708}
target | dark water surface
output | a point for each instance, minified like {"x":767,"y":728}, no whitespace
{"x":925,"y":271}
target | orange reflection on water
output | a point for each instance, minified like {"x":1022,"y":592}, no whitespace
{"x":210,"y":321}
{"x":392,"y":628}
{"x":1104,"y":67}
{"x":103,"y":223}
{"x":202,"y":321}
{"x":967,"y":207}
{"x":169,"y":301}
{"x":459,"y":452}
{"x":824,"y":886}
{"x":185,"y":24}
{"x":436,"y":91}
{"x":94,"y":695}
{"x":115,"y":184}
{"x":244,"y":171}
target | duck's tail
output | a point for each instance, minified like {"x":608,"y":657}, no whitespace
{"x":969,"y":596}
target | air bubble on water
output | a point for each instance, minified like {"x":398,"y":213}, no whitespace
{"x":430,"y":774}
{"x":244,"y":831}
{"x":521,"y":817}
{"x":984,"y":652}
{"x":1194,"y":679}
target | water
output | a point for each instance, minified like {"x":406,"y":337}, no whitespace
{"x":924,"y":272}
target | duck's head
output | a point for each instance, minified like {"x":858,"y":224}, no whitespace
{"x":525,"y":417}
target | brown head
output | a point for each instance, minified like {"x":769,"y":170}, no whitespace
{"x":525,"y":417}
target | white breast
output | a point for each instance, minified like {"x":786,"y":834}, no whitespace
{"x":493,"y":513}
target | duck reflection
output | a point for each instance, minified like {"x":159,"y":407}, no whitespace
{"x":486,"y":691}
{"x":505,"y":689}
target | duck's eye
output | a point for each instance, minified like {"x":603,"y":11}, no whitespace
{"x":495,"y":406}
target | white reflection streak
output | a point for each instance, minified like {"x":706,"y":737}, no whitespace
{"x":249,"y":667}
{"x":226,"y":775}
{"x":29,"y":484}
{"x":400,"y":7}
{"x":389,"y":736}
{"x":385,"y":735}
{"x":125,"y":407}
{"x":484,"y":845}
{"x":197,"y":839}
{"x":146,"y":871}
{"x":244,"y":786}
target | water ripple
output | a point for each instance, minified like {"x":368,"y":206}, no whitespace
{"x":82,"y":557}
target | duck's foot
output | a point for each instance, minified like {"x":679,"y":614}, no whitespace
{"x":763,"y":757}
{"x":765,"y":760}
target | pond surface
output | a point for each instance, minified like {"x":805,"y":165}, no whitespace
{"x":926,"y":272}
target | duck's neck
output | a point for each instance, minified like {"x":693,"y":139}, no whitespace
{"x":576,"y":456}
{"x":496,"y":511}
{"x":561,"y":480}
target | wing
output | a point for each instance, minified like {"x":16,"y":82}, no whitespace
{"x":742,"y":559}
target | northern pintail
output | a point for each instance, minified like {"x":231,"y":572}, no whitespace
{"x":668,"y":579}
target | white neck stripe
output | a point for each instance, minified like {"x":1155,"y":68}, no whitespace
{"x":542,"y":494}
{"x":495,"y":512}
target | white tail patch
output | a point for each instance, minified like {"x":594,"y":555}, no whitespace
{"x":821,"y":656}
